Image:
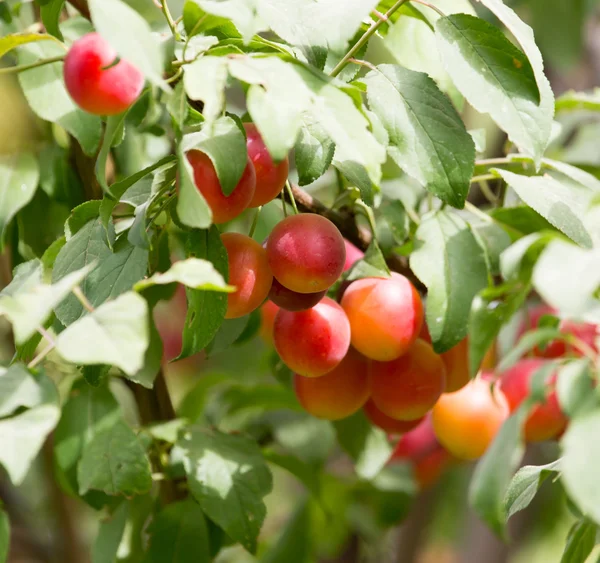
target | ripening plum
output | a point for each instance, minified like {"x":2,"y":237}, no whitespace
{"x":385,"y":316}
{"x":546,"y":420}
{"x":96,"y":84}
{"x":421,"y":449}
{"x":407,"y":388}
{"x":586,"y":332}
{"x":353,"y":255}
{"x":467,"y":421}
{"x":306,"y":253}
{"x":387,"y":423}
{"x":249,"y":272}
{"x":292,"y":300}
{"x":312,"y":342}
{"x":270,"y":177}
{"x":224,"y":208}
{"x":268,"y":311}
{"x":339,"y":393}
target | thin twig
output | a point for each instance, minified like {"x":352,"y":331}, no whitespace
{"x":483,"y":177}
{"x":363,"y":63}
{"x":254,"y":221}
{"x":365,"y":37}
{"x":46,"y":335}
{"x":290,"y":193}
{"x":487,"y":192}
{"x":82,"y":298}
{"x":428,"y":5}
{"x":33,"y":363}
{"x":170,"y":21}
{"x":476,"y":211}
{"x":22,"y":68}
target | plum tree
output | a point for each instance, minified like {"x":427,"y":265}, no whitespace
{"x":97,"y":80}
{"x":223,"y":207}
{"x":306,"y":253}
{"x":546,"y":420}
{"x":312,"y":342}
{"x":385,"y":316}
{"x":339,"y":393}
{"x":387,"y":423}
{"x":249,"y":272}
{"x":407,"y":388}
{"x":292,"y":300}
{"x":466,"y":421}
{"x":270,"y":177}
{"x":420,"y":448}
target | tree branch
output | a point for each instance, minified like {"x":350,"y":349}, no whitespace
{"x":360,"y":236}
{"x":82,"y":7}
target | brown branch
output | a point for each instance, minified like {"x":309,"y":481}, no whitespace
{"x":82,"y":7}
{"x":358,"y":235}
{"x":155,"y":405}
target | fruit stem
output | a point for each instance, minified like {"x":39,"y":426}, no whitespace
{"x":170,"y":21}
{"x":368,"y":213}
{"x":435,"y":8}
{"x":11,"y":69}
{"x":82,"y":298}
{"x":290,"y":193}
{"x":254,"y":221}
{"x":365,"y":37}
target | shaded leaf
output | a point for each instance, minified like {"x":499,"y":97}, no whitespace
{"x":110,"y":534}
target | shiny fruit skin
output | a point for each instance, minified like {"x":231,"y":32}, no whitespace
{"x":291,"y":300}
{"x":545,"y":421}
{"x":456,"y":361}
{"x":312,"y":342}
{"x":268,"y":311}
{"x":467,"y":421}
{"x":353,"y":255}
{"x":306,"y":253}
{"x":339,"y":393}
{"x":270,"y":177}
{"x":387,"y":423}
{"x":407,"y":388}
{"x":249,"y":272}
{"x":385,"y":316}
{"x":95,"y":88}
{"x":224,"y":208}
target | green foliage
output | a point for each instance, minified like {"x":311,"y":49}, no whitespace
{"x":101,"y":222}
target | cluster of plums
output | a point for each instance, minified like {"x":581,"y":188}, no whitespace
{"x":370,"y":350}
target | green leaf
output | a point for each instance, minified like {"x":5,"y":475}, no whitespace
{"x":518,"y":260}
{"x":50,"y":13}
{"x":522,"y":218}
{"x":45,"y":91}
{"x":306,"y":473}
{"x":193,"y":272}
{"x":4,"y":536}
{"x":575,"y":387}
{"x":243,"y":14}
{"x":205,"y":80}
{"x":525,"y":485}
{"x":179,"y":535}
{"x":580,"y":542}
{"x":206,"y":309}
{"x":116,"y":333}
{"x":527,"y":342}
{"x":571,"y":291}
{"x":371,"y":265}
{"x":131,"y":37}
{"x":24,"y":434}
{"x":494,"y":472}
{"x":367,"y":445}
{"x":152,"y":358}
{"x":497,"y":78}
{"x":19,"y":175}
{"x":114,"y":125}
{"x":12,"y":41}
{"x":577,"y":101}
{"x":490,"y":310}
{"x":29,"y":309}
{"x":192,"y":209}
{"x":229,"y":478}
{"x":427,"y":137}
{"x":580,"y":454}
{"x":448,"y":260}
{"x":294,"y":545}
{"x":563,"y":205}
{"x":19,"y":388}
{"x":86,"y":412}
{"x":114,"y":462}
{"x":110,"y":535}
{"x":524,"y":36}
{"x":229,"y":331}
{"x":116,"y":272}
{"x":494,"y":240}
{"x":313,"y":151}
